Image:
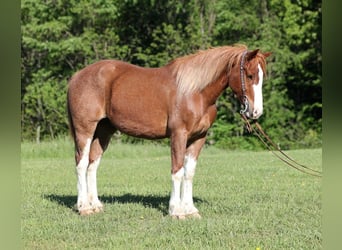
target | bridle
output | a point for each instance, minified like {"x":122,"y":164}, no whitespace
{"x":264,"y":138}
{"x":245,"y":103}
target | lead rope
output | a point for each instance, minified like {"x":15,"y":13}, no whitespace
{"x":260,"y":132}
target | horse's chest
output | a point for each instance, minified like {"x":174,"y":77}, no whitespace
{"x":204,"y":121}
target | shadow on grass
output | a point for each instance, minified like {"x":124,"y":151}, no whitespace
{"x":160,"y":203}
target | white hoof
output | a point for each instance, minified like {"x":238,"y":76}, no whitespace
{"x":194,"y":216}
{"x":89,"y":209}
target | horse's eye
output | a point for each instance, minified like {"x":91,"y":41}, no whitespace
{"x":250,"y":77}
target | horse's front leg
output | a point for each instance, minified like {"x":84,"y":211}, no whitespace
{"x":178,"y":148}
{"x":190,"y":163}
{"x":187,"y":203}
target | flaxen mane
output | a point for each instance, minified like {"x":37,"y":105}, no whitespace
{"x":194,"y":72}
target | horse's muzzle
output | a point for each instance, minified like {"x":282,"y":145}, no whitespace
{"x":248,"y":111}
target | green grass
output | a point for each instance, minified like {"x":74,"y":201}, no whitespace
{"x":248,"y":200}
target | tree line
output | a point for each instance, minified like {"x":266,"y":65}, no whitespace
{"x":60,"y":37}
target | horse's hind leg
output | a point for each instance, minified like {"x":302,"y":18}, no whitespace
{"x":91,"y":141}
{"x":83,"y":141}
{"x":101,"y":139}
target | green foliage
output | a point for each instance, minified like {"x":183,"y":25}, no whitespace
{"x":44,"y":105}
{"x":60,"y":37}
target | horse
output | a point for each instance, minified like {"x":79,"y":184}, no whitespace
{"x":175,"y":101}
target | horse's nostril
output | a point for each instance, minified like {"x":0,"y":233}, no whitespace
{"x":256,"y":114}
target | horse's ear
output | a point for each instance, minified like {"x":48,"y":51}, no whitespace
{"x":251,"y":54}
{"x":267,"y":54}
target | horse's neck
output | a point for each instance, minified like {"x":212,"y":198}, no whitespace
{"x":215,"y":89}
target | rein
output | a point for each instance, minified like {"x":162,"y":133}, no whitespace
{"x":274,"y":149}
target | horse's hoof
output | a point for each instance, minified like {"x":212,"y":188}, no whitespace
{"x":98,"y":209}
{"x":194,"y":216}
{"x":86,"y":212}
{"x":187,"y":216}
{"x":178,"y":217}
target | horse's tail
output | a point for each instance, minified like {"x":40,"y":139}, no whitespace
{"x":71,"y":124}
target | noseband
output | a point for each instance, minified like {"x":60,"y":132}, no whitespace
{"x":245,"y":103}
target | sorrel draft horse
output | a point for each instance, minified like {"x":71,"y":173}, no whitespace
{"x":175,"y":101}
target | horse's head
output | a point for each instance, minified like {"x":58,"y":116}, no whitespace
{"x":246,"y":82}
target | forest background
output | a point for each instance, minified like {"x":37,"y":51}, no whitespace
{"x":60,"y":37}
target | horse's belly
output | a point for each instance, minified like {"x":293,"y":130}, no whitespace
{"x":140,"y":124}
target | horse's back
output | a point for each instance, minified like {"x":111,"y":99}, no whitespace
{"x":107,"y":73}
{"x":96,"y":75}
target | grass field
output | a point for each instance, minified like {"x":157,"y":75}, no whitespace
{"x":248,"y":200}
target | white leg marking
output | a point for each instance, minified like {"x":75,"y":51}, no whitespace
{"x":175,"y":199}
{"x":81,"y":169}
{"x":93,"y":199}
{"x":186,"y":197}
{"x":181,"y":201}
{"x":258,"y":102}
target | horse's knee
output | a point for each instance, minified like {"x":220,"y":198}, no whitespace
{"x":178,"y":176}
